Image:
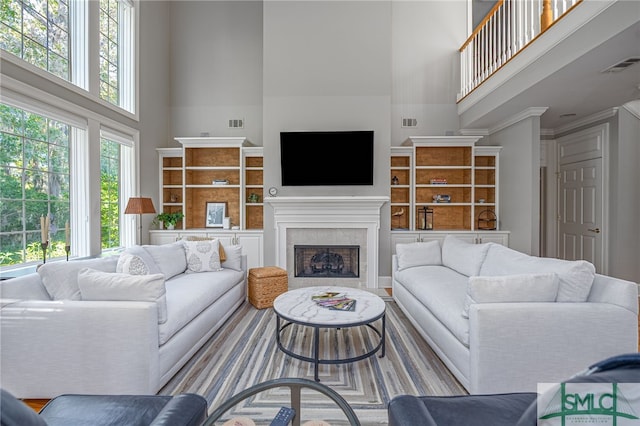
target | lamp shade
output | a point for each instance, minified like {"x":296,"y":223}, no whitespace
{"x":139,"y":205}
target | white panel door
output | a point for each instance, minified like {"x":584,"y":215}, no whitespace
{"x":581,"y":212}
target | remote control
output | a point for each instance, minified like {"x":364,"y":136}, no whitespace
{"x":284,"y":416}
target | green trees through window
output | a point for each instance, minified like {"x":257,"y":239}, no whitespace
{"x":109,"y":194}
{"x":38,"y":32}
{"x":34,"y":182}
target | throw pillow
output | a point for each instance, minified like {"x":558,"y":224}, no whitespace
{"x":223,"y":255}
{"x":418,"y":254}
{"x":511,"y":288}
{"x":137,"y":261}
{"x":234,"y":257}
{"x":202,"y":256}
{"x":98,"y":285}
{"x":60,"y":279}
{"x":576,"y":276}
{"x":462,"y":256}
{"x":170,"y":258}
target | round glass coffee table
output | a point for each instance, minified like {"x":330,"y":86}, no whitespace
{"x":298,"y":307}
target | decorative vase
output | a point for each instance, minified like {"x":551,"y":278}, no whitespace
{"x":170,"y":226}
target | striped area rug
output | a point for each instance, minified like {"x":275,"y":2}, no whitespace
{"x":244,"y":352}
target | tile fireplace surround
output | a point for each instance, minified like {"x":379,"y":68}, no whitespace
{"x":328,"y":220}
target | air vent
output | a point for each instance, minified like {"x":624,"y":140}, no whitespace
{"x":620,"y":66}
{"x":409,"y":122}
{"x":236,"y":123}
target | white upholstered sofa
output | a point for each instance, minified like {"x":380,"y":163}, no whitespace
{"x":115,"y":325}
{"x":503,"y":321}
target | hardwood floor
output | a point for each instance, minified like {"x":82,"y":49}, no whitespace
{"x":36,"y":404}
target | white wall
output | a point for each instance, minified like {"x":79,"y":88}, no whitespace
{"x":216,"y":68}
{"x":315,"y":65}
{"x":520,"y":183}
{"x":425,"y":66}
{"x":624,"y":238}
{"x":327,"y":66}
{"x":154,"y":98}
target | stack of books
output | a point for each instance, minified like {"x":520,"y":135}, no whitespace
{"x":335,"y":301}
{"x":438,"y":181}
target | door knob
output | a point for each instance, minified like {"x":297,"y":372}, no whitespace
{"x":596,"y":230}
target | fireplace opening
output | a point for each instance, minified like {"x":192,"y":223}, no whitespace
{"x":327,"y":261}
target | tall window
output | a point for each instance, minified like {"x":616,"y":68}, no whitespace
{"x":110,"y":193}
{"x":38,"y":32}
{"x":54,"y":36}
{"x":110,"y":50}
{"x":34,"y":182}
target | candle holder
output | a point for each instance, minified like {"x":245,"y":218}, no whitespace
{"x":67,"y":249}
{"x":44,"y":251}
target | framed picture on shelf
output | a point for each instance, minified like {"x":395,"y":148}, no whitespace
{"x":215,"y":214}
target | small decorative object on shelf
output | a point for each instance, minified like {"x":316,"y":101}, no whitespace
{"x":253,"y":198}
{"x":220,"y":182}
{"x":487,"y":220}
{"x":397,"y":214}
{"x":395,"y":180}
{"x":215,"y":214}
{"x":425,"y":218}
{"x":173,"y":198}
{"x":438,"y":181}
{"x":169,"y":220}
{"x":442,"y":198}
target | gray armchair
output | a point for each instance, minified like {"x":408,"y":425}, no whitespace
{"x":106,"y":410}
{"x":509,"y":409}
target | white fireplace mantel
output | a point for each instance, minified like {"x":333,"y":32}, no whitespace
{"x":337,"y":212}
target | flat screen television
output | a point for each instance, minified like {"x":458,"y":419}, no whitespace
{"x":326,"y":158}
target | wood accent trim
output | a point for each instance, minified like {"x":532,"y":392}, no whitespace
{"x":36,"y":404}
{"x":479,"y":27}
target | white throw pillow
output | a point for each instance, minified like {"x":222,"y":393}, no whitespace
{"x":418,"y":254}
{"x":137,"y":261}
{"x":223,"y":255}
{"x":60,"y":279}
{"x":202,"y":256}
{"x":511,"y":288}
{"x":170,"y":258}
{"x":463,"y":257}
{"x":575,"y":276}
{"x":98,"y":285}
{"x":234,"y":257}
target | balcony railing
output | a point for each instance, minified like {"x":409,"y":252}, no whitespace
{"x":507,"y":29}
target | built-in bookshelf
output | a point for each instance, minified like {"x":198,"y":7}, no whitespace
{"x":213,"y":169}
{"x":452,"y":178}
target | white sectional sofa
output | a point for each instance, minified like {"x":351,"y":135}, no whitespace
{"x":115,"y":325}
{"x":503,"y":321}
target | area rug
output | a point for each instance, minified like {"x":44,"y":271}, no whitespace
{"x":244,"y":352}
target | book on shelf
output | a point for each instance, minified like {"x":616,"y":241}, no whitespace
{"x":334,"y":300}
{"x":438,"y":181}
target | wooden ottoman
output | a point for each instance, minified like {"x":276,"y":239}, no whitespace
{"x":265,"y":284}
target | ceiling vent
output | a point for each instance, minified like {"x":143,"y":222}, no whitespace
{"x":620,"y":66}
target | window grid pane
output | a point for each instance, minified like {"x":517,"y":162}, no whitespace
{"x":110,"y":51}
{"x":109,"y":193}
{"x":38,"y":32}
{"x":34,"y":152}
